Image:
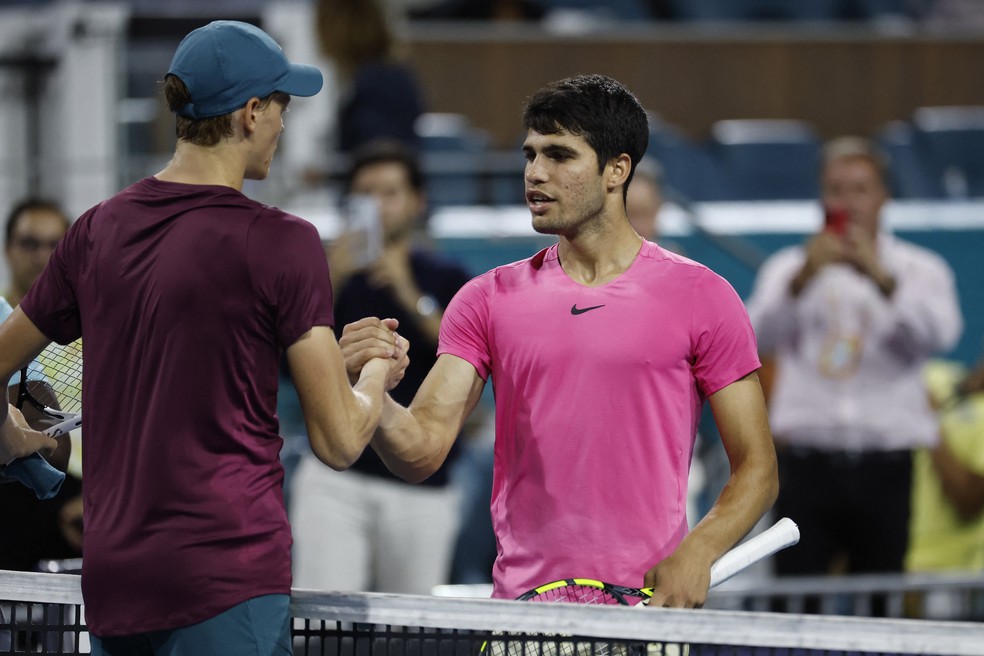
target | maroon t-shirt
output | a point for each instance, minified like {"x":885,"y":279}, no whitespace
{"x":185,"y":296}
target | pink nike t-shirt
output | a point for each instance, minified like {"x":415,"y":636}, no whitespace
{"x":598,"y":393}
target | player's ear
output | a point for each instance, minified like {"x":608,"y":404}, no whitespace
{"x":250,"y":115}
{"x":617,"y":171}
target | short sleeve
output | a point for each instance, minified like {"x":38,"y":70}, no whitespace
{"x":725,"y":348}
{"x":51,"y":302}
{"x":465,"y":325}
{"x":290,"y":272}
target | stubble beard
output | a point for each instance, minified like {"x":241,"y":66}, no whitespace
{"x":584,"y":215}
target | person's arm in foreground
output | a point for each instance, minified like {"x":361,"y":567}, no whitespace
{"x":413,"y":442}
{"x":682,"y":579}
{"x":20,"y":340}
{"x":341,"y":417}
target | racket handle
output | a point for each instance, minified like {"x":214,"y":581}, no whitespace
{"x":35,"y":472}
{"x":780,"y":535}
{"x":68,"y":423}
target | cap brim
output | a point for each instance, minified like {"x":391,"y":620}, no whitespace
{"x":302,"y":80}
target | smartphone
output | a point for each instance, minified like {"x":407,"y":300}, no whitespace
{"x":835,"y":220}
{"x":361,"y":225}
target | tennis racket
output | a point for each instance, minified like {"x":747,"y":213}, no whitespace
{"x":780,"y":535}
{"x":50,"y":397}
{"x":50,"y":389}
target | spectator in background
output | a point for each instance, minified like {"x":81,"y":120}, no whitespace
{"x":48,"y":529}
{"x":947,"y":526}
{"x":366,"y":529}
{"x":34,"y":227}
{"x":381,"y":97}
{"x":851,"y":317}
{"x":644,"y":199}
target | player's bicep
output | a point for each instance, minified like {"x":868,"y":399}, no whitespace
{"x":742,"y":421}
{"x":318,"y":372}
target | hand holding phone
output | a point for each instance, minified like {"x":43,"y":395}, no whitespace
{"x":363,"y":229}
{"x":835,"y":220}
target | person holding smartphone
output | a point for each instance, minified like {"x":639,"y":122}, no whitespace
{"x":365,"y":529}
{"x":850,"y":317}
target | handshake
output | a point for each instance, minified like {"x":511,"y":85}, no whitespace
{"x":371,"y":339}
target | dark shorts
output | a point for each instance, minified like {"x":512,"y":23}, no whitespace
{"x":256,"y":627}
{"x":849,"y":507}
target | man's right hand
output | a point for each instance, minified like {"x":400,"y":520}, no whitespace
{"x":398,"y":363}
{"x":821,"y":249}
{"x":17,"y":439}
{"x":370,"y":338}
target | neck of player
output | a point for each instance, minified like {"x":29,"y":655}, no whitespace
{"x":596,"y":257}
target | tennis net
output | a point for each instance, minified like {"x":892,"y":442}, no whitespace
{"x":44,"y":613}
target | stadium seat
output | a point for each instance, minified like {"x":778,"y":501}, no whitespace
{"x":452,"y":152}
{"x":766,"y":159}
{"x":689,"y":173}
{"x":505,"y":182}
{"x":909,"y":175}
{"x":610,"y":9}
{"x":750,"y":10}
{"x":951,"y":140}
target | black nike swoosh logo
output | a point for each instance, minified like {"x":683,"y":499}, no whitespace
{"x":576,"y":310}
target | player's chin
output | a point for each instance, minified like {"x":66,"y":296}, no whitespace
{"x":259,"y":173}
{"x":545,"y":226}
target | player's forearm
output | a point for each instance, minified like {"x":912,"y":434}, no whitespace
{"x":412,"y":449}
{"x":348,"y":425}
{"x":749,"y":493}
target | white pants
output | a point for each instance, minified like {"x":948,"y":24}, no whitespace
{"x":354,"y":532}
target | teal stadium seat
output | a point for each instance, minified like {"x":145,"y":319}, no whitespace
{"x":766,"y":159}
{"x":452,"y":155}
{"x":951,"y":142}
{"x":609,"y":9}
{"x":689,"y":172}
{"x":909,"y":175}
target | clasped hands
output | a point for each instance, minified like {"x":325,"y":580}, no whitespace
{"x":369,"y":338}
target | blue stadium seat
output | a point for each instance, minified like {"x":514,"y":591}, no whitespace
{"x":767,"y":159}
{"x":505,"y":182}
{"x":451,"y":152}
{"x":909,"y":175}
{"x":951,"y":140}
{"x":689,"y":172}
{"x":749,"y":10}
{"x":607,"y":9}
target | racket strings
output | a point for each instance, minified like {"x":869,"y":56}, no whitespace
{"x":59,"y":368}
{"x":578,"y":594}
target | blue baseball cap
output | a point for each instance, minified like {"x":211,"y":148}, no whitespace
{"x":225,"y":63}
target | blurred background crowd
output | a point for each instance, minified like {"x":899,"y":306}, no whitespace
{"x":421,"y":114}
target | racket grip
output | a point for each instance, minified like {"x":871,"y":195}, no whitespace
{"x":780,"y":535}
{"x":35,"y":472}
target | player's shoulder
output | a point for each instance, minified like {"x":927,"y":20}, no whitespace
{"x":674,"y":265}
{"x":518,"y":270}
{"x":506,"y":277}
{"x":281,"y":220}
{"x":652,"y":253}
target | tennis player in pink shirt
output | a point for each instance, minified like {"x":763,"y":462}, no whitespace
{"x":601,"y":350}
